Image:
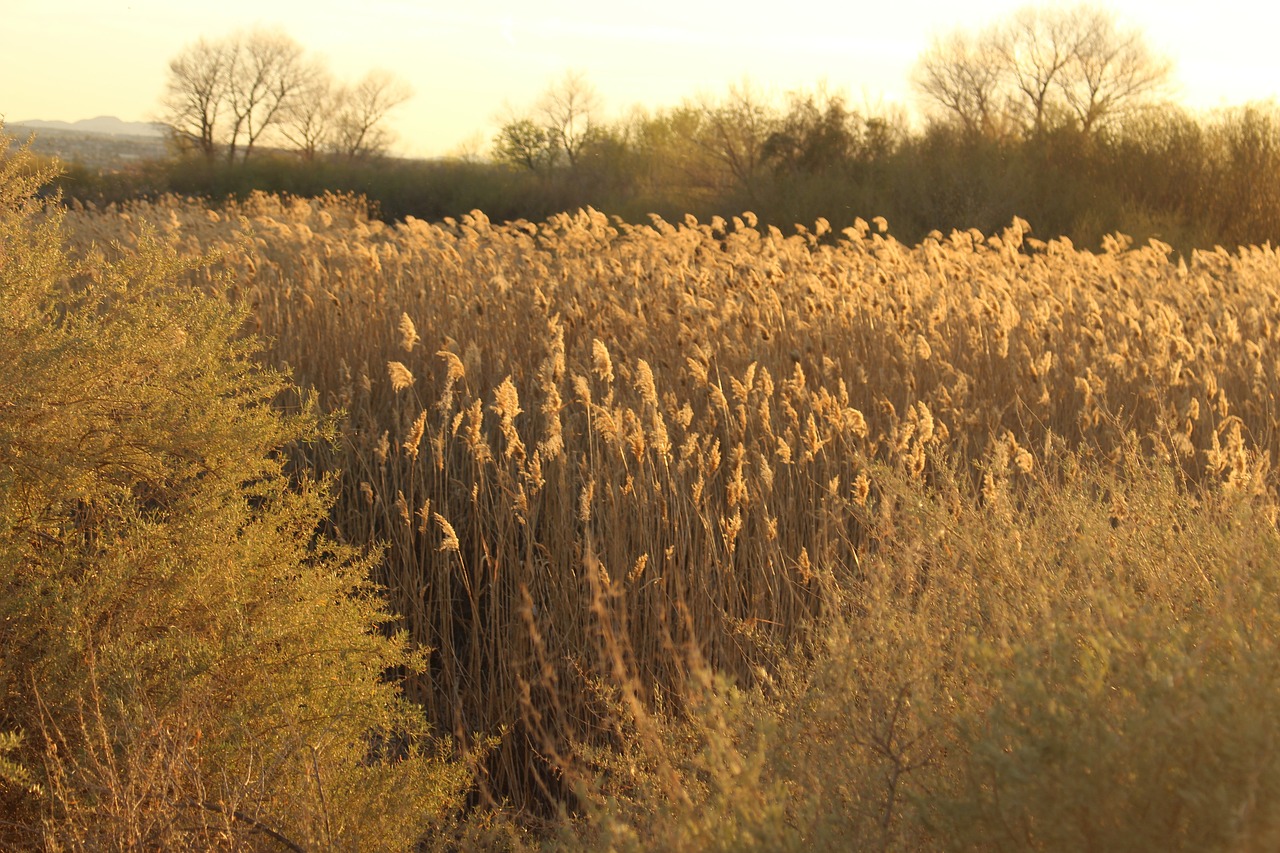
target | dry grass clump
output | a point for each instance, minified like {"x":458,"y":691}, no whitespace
{"x":833,"y":469}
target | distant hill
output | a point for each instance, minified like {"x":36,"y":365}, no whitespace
{"x":114,"y":144}
{"x":102,"y":124}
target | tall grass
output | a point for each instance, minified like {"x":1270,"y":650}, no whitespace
{"x":877,"y":490}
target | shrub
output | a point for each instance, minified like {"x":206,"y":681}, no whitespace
{"x":191,"y":661}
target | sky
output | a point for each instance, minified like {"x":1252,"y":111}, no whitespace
{"x":471,"y":63}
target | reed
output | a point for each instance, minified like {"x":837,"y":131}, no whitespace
{"x":600,"y":452}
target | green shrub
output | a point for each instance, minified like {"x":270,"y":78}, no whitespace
{"x":192,"y":662}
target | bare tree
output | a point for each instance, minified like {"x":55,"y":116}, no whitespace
{"x":233,"y":93}
{"x":1043,"y":66}
{"x":195,"y":93}
{"x":1113,"y":71}
{"x":962,"y":74}
{"x":267,"y":73}
{"x":570,"y":112}
{"x":359,"y":129}
{"x":734,"y":132}
{"x":469,"y":150}
{"x":308,"y":120}
{"x":1036,"y":47}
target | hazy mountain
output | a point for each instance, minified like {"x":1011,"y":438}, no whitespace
{"x":105,"y":143}
{"x":102,"y":124}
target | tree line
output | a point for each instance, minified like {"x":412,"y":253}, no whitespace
{"x":1059,"y":115}
{"x":1044,"y":69}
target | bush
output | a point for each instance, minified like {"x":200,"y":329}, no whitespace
{"x":190,"y":661}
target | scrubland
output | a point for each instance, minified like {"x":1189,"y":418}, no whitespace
{"x":711,"y":536}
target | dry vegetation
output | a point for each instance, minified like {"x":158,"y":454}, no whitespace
{"x":739,"y":538}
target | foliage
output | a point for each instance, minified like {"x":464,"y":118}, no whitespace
{"x":523,"y":143}
{"x":1055,"y":115}
{"x":706,"y":535}
{"x":558,"y":132}
{"x":1191,"y":181}
{"x":192,"y":661}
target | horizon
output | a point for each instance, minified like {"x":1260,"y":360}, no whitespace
{"x":468,"y":68}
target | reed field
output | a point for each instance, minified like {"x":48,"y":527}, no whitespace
{"x":723,"y":537}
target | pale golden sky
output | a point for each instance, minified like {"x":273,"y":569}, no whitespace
{"x":74,"y":59}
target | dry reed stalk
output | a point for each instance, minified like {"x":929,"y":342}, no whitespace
{"x":701,"y":415}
